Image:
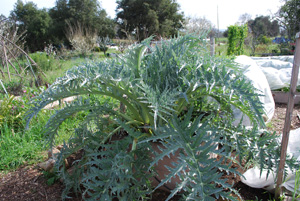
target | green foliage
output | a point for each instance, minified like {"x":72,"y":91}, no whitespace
{"x":264,"y":26}
{"x":297,"y":185}
{"x":28,"y":147}
{"x":97,"y":49}
{"x":145,"y":18}
{"x":51,"y":177}
{"x":44,"y":61}
{"x":86,"y":12}
{"x":174,"y":93}
{"x":265,"y":40}
{"x":36,"y":22}
{"x":11,"y":113}
{"x":289,"y":14}
{"x":286,"y":48}
{"x":112,"y":172}
{"x":196,"y":169}
{"x":19,"y":147}
{"x":236,"y":39}
{"x":103,"y":42}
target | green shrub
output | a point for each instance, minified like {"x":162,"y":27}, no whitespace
{"x":175,"y":94}
{"x":103,"y":48}
{"x":264,"y":40}
{"x":11,"y":113}
{"x":97,"y":49}
{"x":13,"y":87}
{"x":44,"y":61}
{"x":236,"y":39}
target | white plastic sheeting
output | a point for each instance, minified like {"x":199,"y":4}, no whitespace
{"x":253,"y":178}
{"x":277,"y":73}
{"x":277,"y":69}
{"x":254,"y":73}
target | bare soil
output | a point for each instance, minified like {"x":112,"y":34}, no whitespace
{"x":28,"y":183}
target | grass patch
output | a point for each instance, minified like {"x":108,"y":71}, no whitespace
{"x":29,"y":147}
{"x":22,"y":147}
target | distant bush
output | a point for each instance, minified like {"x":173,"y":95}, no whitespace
{"x":97,"y":49}
{"x":103,"y":48}
{"x":265,"y":40}
{"x":100,"y":49}
{"x":44,"y":61}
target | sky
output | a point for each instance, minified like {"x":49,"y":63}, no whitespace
{"x":228,"y":11}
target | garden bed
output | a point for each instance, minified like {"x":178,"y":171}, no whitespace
{"x":282,"y":97}
{"x":29,"y":183}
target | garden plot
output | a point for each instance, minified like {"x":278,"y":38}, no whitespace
{"x":268,"y":74}
{"x":277,"y":71}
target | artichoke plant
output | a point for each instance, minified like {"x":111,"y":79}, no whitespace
{"x":173,"y":93}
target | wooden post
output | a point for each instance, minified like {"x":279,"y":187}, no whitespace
{"x":212,"y":46}
{"x":288,"y":116}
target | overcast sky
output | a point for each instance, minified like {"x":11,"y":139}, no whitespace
{"x":229,"y":11}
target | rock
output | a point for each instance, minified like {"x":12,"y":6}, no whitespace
{"x":48,"y":165}
{"x":56,"y":103}
{"x":59,"y":147}
{"x":52,"y":153}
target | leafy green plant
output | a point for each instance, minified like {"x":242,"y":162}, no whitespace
{"x":82,"y":38}
{"x":51,"y":177}
{"x":11,"y":113}
{"x":174,"y":93}
{"x":44,"y":61}
{"x":264,"y":40}
{"x":297,"y":185}
{"x":21,"y":147}
{"x":236,"y":39}
{"x":103,"y":43}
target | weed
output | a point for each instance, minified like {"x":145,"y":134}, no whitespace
{"x":51,"y":177}
{"x":44,"y":61}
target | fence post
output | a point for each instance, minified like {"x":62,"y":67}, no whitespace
{"x":212,"y":46}
{"x":288,"y":116}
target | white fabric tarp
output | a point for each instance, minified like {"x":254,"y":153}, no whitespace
{"x":254,"y":73}
{"x":277,"y":69}
{"x":277,"y":74}
{"x":253,"y":178}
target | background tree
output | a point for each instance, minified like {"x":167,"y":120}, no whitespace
{"x":197,"y":25}
{"x":289,"y":17}
{"x":244,"y":18}
{"x":146,"y":17}
{"x":82,"y":39}
{"x":36,"y":22}
{"x":260,"y":28}
{"x":262,"y":25}
{"x":86,"y":12}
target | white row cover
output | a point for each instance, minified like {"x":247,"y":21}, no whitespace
{"x":266,"y":74}
{"x":255,"y":74}
{"x":277,"y":69}
{"x":254,"y":178}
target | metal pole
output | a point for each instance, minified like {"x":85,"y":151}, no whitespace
{"x":288,"y":116}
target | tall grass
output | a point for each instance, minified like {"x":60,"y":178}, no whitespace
{"x":29,"y":147}
{"x":25,"y":147}
{"x":20,"y":147}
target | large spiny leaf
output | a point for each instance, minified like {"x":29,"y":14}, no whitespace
{"x":194,"y":166}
